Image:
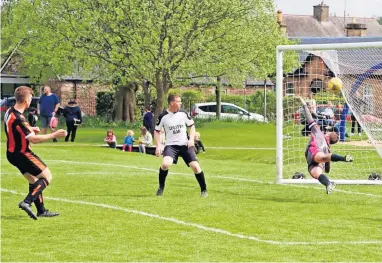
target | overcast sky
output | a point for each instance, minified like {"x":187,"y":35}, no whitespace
{"x":358,"y":8}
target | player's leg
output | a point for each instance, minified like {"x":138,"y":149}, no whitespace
{"x":317,"y":173}
{"x":39,"y":177}
{"x":170,"y":156}
{"x":331,"y":157}
{"x":199,"y":175}
{"x":189,"y":157}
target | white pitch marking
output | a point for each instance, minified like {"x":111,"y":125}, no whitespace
{"x":205,"y":228}
{"x":215,"y":176}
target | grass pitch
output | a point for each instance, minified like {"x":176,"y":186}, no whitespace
{"x":109,"y":211}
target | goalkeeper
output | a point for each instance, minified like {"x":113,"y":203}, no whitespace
{"x":317,"y":154}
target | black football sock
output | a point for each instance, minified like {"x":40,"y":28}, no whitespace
{"x":35,"y":190}
{"x":162,"y":177}
{"x":39,"y":203}
{"x":337,"y":158}
{"x":324,"y":179}
{"x":201,"y":181}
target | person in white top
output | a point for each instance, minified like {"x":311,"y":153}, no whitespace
{"x":175,"y":123}
{"x":146,"y":139}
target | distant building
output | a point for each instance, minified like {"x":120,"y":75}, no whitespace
{"x":322,"y":24}
{"x":322,"y":28}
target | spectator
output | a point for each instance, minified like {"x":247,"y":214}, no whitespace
{"x":129,"y":141}
{"x":148,"y":120}
{"x":354,"y":122}
{"x":110,"y":139}
{"x":312,"y":102}
{"x":32,"y":116}
{"x":73,"y":117}
{"x":198,"y":143}
{"x":145,"y":140}
{"x":320,"y":119}
{"x":329,"y":112}
{"x":49,"y":104}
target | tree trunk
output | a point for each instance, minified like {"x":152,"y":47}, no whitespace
{"x":119,"y":101}
{"x":129,"y":102}
{"x":146,"y":93}
{"x":218,"y":97}
{"x":161,"y":89}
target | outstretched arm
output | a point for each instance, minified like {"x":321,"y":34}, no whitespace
{"x":308,"y":114}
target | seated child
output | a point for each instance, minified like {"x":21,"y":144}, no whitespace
{"x":198,"y":143}
{"x":146,"y":139}
{"x":129,"y":140}
{"x":32,"y":116}
{"x":110,"y":139}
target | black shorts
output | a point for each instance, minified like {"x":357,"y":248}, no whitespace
{"x":27,"y":162}
{"x":174,"y":151}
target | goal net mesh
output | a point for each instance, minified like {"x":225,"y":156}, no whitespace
{"x":355,"y":112}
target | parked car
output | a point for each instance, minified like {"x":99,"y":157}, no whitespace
{"x":11,"y":101}
{"x":228,"y":110}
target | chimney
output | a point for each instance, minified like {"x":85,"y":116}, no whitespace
{"x":355,"y":29}
{"x":321,"y":12}
{"x":280,"y":22}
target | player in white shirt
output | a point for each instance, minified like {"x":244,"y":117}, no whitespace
{"x":175,"y":123}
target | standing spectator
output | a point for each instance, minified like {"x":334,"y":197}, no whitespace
{"x":110,"y":139}
{"x":19,"y":135}
{"x":49,"y":104}
{"x":129,"y":141}
{"x":175,"y":122}
{"x":148,"y":120}
{"x":354,"y":122}
{"x":145,"y":140}
{"x":311,"y":102}
{"x":32,"y":116}
{"x":73,"y":117}
{"x":198,"y":144}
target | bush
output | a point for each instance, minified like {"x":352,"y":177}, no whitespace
{"x":189,"y":97}
{"x":105,"y":105}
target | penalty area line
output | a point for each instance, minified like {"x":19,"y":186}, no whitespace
{"x":202,"y":227}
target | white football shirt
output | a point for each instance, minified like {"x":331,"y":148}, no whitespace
{"x":175,"y":126}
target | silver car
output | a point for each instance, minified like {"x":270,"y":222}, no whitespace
{"x":228,"y":110}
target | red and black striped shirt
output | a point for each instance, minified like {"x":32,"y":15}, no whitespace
{"x":17,"y":130}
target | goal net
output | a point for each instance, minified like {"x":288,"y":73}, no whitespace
{"x":354,"y":112}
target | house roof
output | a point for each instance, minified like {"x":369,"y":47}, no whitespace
{"x":308,"y":26}
{"x":342,"y":61}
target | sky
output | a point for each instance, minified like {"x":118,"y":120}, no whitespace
{"x":357,"y":8}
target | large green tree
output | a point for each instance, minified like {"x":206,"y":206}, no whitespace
{"x":128,"y":41}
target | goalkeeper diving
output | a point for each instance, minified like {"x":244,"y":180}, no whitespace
{"x":317,"y":154}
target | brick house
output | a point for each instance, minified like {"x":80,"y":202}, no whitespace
{"x":321,"y":28}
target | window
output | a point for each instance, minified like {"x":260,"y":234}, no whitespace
{"x":289,"y":88}
{"x":316,"y":85}
{"x":231,"y":109}
{"x":208,"y":108}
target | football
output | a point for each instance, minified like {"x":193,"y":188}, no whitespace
{"x":335,"y":85}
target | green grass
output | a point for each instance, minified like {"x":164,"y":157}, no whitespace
{"x":245,"y":218}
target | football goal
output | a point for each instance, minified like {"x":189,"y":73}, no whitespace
{"x":353,"y":109}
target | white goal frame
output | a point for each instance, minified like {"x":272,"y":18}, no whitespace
{"x":279,"y":107}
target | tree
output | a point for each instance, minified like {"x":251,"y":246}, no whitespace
{"x":380,"y":20}
{"x":152,"y":40}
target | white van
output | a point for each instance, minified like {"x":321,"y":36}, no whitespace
{"x":228,"y":110}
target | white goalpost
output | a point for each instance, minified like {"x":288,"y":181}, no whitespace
{"x":354,"y":112}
